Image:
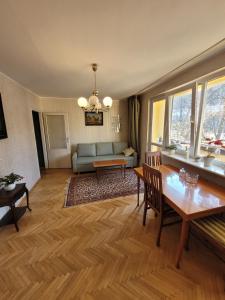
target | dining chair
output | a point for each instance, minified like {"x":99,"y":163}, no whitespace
{"x":153,"y":158}
{"x":211,"y":229}
{"x":154,"y":199}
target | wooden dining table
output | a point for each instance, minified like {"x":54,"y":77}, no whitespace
{"x":190,"y":201}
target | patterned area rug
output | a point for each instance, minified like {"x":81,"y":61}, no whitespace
{"x":85,"y":188}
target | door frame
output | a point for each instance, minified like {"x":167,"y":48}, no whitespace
{"x":41,"y":144}
{"x":45,"y":131}
{"x":41,"y":118}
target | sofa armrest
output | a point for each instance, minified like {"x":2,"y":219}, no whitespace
{"x":74,"y":162}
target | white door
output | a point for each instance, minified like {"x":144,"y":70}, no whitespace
{"x":57,"y":140}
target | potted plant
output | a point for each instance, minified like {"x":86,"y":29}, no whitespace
{"x":9,"y":181}
{"x":209,"y":158}
{"x":197,"y":158}
{"x":171,"y":149}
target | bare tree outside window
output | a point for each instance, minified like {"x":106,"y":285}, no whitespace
{"x":214,"y":122}
{"x":213,"y":132}
{"x":180,"y":120}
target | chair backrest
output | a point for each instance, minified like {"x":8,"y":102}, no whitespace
{"x":153,"y":188}
{"x":153,"y":159}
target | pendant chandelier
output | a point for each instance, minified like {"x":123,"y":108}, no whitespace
{"x":93,"y":104}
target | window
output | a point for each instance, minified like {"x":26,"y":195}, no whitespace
{"x":213,"y":127}
{"x":192,"y":117}
{"x":155,"y":148}
{"x":158,"y":121}
{"x":180,"y":130}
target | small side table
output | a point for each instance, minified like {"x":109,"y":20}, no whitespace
{"x":9,"y":199}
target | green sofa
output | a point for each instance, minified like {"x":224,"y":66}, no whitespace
{"x":83,"y":158}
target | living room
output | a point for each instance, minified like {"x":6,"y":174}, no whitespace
{"x":88,"y":228}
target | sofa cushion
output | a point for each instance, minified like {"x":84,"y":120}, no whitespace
{"x":104,"y":148}
{"x":122,"y":156}
{"x":83,"y":160}
{"x":112,"y":157}
{"x":118,"y":147}
{"x":86,"y":150}
{"x":89,"y":159}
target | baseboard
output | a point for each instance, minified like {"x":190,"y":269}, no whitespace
{"x":36,"y":183}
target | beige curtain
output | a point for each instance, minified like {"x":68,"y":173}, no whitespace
{"x":134,"y":109}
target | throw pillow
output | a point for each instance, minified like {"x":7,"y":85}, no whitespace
{"x":128,"y":151}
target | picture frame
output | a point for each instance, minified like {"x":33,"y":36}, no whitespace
{"x":3,"y":131}
{"x":93,"y":118}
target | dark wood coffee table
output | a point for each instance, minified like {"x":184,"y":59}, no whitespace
{"x":9,"y":199}
{"x":103,"y":164}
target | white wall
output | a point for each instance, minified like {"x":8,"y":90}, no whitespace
{"x":18,"y":152}
{"x":79,"y":133}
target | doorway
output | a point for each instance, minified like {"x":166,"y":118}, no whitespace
{"x":57,"y":140}
{"x":38,"y":138}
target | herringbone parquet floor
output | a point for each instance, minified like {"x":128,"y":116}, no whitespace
{"x":99,"y":251}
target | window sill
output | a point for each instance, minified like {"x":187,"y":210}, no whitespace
{"x":212,"y":169}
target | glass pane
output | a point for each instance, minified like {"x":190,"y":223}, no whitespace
{"x":180,"y":132}
{"x":213,"y":132}
{"x":56,"y":132}
{"x":158,"y":121}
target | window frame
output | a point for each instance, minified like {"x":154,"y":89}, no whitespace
{"x":156,"y":99}
{"x":202,"y":107}
{"x":193,"y":118}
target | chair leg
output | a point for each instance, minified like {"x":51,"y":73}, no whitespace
{"x":159,"y":230}
{"x":145,"y":214}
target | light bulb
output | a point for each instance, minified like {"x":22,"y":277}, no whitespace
{"x":82,"y":102}
{"x":107,"y":101}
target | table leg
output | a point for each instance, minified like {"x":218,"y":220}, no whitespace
{"x":27,"y":195}
{"x":183,"y":241}
{"x":14,"y":217}
{"x":138,"y":189}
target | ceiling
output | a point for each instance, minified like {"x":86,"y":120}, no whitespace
{"x":48,"y":45}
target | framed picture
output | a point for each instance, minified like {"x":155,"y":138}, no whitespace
{"x":3,"y":131}
{"x":93,"y":118}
